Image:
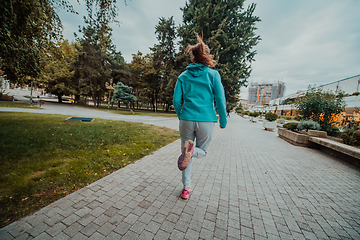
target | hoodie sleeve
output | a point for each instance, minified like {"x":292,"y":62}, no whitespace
{"x":220,"y":99}
{"x":177,"y":98}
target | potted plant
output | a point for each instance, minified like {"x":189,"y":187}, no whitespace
{"x":255,"y":117}
{"x":269,"y":122}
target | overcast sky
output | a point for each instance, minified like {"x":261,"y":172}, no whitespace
{"x":303,"y":42}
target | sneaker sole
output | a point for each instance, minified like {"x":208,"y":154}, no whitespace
{"x":185,"y":158}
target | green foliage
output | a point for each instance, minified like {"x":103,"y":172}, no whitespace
{"x":247,"y":113}
{"x":286,"y":117}
{"x":280,"y":120}
{"x":308,"y":124}
{"x":123,"y":93}
{"x":255,"y":114}
{"x":351,"y":135}
{"x":44,"y":158}
{"x":333,"y":131}
{"x":291,"y":126}
{"x":29,"y":29}
{"x":297,"y":118}
{"x":270,"y":116}
{"x":58,"y":73}
{"x":229,"y":31}
{"x":239,"y":111}
{"x":320,"y":106}
{"x":164,"y":59}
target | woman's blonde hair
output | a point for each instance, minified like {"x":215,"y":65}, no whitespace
{"x":200,"y":53}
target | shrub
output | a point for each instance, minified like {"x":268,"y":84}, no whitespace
{"x":255,"y":114}
{"x":239,"y":111}
{"x":332,"y":131}
{"x":281,"y":120}
{"x":297,"y":118}
{"x":320,"y":106}
{"x":270,"y":116}
{"x":246,"y":113}
{"x":291,"y":126}
{"x":351,"y":137}
{"x":308,"y":124}
{"x":286,"y":117}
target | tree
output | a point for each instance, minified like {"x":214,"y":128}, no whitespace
{"x":229,"y":30}
{"x":57,"y":74}
{"x":164,"y":59}
{"x":146,"y":78}
{"x":123,"y":94}
{"x":30,"y":29}
{"x":320,"y":106}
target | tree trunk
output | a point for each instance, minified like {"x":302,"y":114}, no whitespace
{"x":59,"y":98}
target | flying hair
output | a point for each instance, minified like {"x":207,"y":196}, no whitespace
{"x":200,"y":53}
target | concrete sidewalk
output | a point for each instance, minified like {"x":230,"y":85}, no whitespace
{"x":251,"y":185}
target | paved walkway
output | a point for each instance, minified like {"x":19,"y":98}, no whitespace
{"x":251,"y":185}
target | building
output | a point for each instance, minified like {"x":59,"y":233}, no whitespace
{"x":260,"y":94}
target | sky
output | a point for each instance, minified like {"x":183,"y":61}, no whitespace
{"x":307,"y":42}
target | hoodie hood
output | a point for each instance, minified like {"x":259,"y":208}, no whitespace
{"x":196,"y":69}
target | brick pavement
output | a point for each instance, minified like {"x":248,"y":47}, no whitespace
{"x":251,"y":185}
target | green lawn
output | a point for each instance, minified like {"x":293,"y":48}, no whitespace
{"x":16,"y":105}
{"x":44,"y":158}
{"x":137,"y":112}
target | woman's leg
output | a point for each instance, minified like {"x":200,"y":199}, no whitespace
{"x":187,"y":132}
{"x":202,"y":131}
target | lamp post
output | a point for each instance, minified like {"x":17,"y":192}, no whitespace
{"x":110,"y":85}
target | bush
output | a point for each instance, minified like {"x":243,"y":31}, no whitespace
{"x":297,"y":118}
{"x":308,"y":124}
{"x":281,"y":120}
{"x":255,"y":114}
{"x":286,"y":117}
{"x":239,"y":111}
{"x":332,"y":131}
{"x":291,"y":126}
{"x":270,"y":116}
{"x":351,"y":137}
{"x":246,"y":113}
{"x":320,"y":106}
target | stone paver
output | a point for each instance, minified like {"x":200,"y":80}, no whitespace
{"x":252,"y":185}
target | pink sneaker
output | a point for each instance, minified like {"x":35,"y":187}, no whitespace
{"x":185,"y":157}
{"x":186,"y":193}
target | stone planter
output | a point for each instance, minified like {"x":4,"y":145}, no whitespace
{"x":297,"y":139}
{"x":315,"y":133}
{"x":254,"y":119}
{"x":269,"y":125}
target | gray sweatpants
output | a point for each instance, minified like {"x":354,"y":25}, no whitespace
{"x":202,"y":132}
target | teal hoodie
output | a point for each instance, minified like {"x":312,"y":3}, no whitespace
{"x":198,"y":86}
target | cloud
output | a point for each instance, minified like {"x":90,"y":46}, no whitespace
{"x":306,"y":42}
{"x":303,"y":42}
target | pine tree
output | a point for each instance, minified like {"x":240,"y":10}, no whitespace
{"x":229,"y":31}
{"x":123,"y":94}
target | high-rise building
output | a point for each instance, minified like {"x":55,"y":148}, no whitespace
{"x":263,"y":93}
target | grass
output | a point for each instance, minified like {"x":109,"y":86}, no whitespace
{"x":137,"y":112}
{"x":43,"y":158}
{"x":11,"y":104}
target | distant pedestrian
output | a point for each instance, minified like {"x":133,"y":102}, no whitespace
{"x":228,"y":112}
{"x":197,"y":86}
